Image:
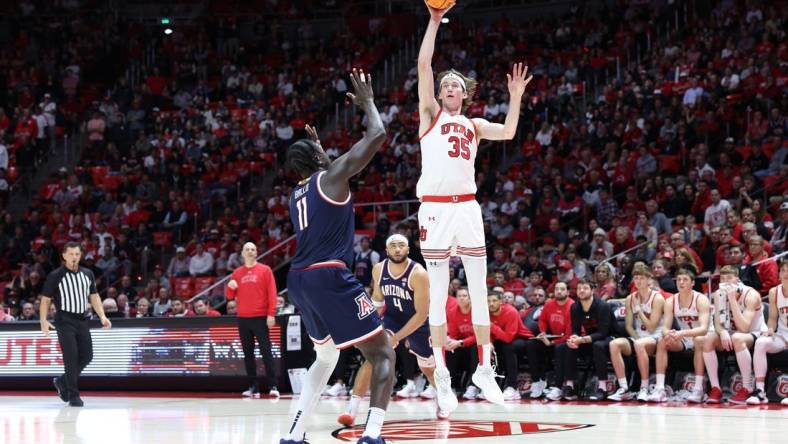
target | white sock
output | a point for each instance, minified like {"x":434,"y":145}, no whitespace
{"x":660,"y":381}
{"x":486,"y":352}
{"x":622,"y":383}
{"x":602,"y":385}
{"x":745,"y":366}
{"x":314,"y":382}
{"x":760,"y":386}
{"x":699,"y":384}
{"x":710,"y":359}
{"x":440,"y":359}
{"x":353,"y":406}
{"x":570,"y":384}
{"x":375,"y":418}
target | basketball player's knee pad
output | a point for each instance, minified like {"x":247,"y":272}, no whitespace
{"x":327,"y":353}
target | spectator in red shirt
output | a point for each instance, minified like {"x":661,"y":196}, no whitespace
{"x":461,"y":343}
{"x":507,"y":333}
{"x":555,"y":326}
{"x":767,"y":269}
{"x":254,"y":287}
{"x":201,"y":308}
{"x":514,"y":283}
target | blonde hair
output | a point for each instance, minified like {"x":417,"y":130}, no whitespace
{"x":641,"y":269}
{"x":729,"y":269}
{"x":470,"y":84}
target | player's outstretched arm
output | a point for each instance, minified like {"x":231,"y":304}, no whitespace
{"x":495,"y":131}
{"x":428,"y":105}
{"x":335,"y":181}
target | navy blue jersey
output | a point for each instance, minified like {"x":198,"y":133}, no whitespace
{"x":324,"y":228}
{"x":400,"y":306}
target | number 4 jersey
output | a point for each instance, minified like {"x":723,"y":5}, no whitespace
{"x":324,"y":228}
{"x":448,"y":153}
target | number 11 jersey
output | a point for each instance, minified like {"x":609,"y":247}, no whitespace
{"x":324,"y":227}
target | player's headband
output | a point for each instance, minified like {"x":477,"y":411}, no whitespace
{"x":396,"y":238}
{"x":453,"y":76}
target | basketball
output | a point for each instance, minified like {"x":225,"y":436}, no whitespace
{"x":440,"y":4}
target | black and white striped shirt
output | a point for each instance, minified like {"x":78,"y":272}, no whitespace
{"x":70,"y":290}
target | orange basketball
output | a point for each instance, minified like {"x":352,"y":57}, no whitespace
{"x":440,"y":4}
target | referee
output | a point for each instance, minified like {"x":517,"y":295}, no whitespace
{"x":72,"y":287}
{"x":254,"y":287}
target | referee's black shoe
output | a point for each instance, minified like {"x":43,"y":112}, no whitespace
{"x":61,"y":388}
{"x":75,"y":401}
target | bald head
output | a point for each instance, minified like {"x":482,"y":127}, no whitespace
{"x":249,"y":254}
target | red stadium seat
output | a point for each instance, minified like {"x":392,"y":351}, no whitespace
{"x":182,"y":287}
{"x":201,"y":283}
{"x":162,"y":239}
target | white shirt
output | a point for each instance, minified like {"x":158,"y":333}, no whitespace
{"x":3,"y":157}
{"x":200,"y":264}
{"x":717,"y":215}
{"x":691,"y":95}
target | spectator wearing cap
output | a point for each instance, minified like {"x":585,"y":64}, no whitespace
{"x":179,"y":264}
{"x":566,"y":275}
{"x":600,"y":242}
{"x":201,"y":262}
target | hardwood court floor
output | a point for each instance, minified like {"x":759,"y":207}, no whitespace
{"x":185,"y":418}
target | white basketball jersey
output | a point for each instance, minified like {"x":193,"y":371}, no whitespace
{"x":782,"y":311}
{"x":687,"y":317}
{"x":758,"y":324}
{"x":448,"y":152}
{"x":645,"y":307}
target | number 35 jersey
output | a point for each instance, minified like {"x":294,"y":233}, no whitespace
{"x":398,"y":294}
{"x":324,"y":228}
{"x":448,"y":153}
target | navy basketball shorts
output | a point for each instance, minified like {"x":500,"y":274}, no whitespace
{"x":333,"y":305}
{"x":417,"y":342}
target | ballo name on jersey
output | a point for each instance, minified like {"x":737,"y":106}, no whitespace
{"x":688,"y":318}
{"x":301,"y":191}
{"x":459,"y":128}
{"x":396,"y":291}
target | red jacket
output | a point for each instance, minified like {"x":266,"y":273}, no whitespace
{"x":460,"y":325}
{"x":556,"y":319}
{"x":507,"y":325}
{"x":768,"y":274}
{"x":256,"y":291}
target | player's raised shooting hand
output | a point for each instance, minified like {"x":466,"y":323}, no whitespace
{"x":311,"y":131}
{"x":437,"y":14}
{"x":362,"y":85}
{"x":517,"y":80}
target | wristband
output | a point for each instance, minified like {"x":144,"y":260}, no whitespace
{"x":378,"y":304}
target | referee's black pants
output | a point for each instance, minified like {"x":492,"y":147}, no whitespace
{"x":248,"y":329}
{"x":73,"y":333}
